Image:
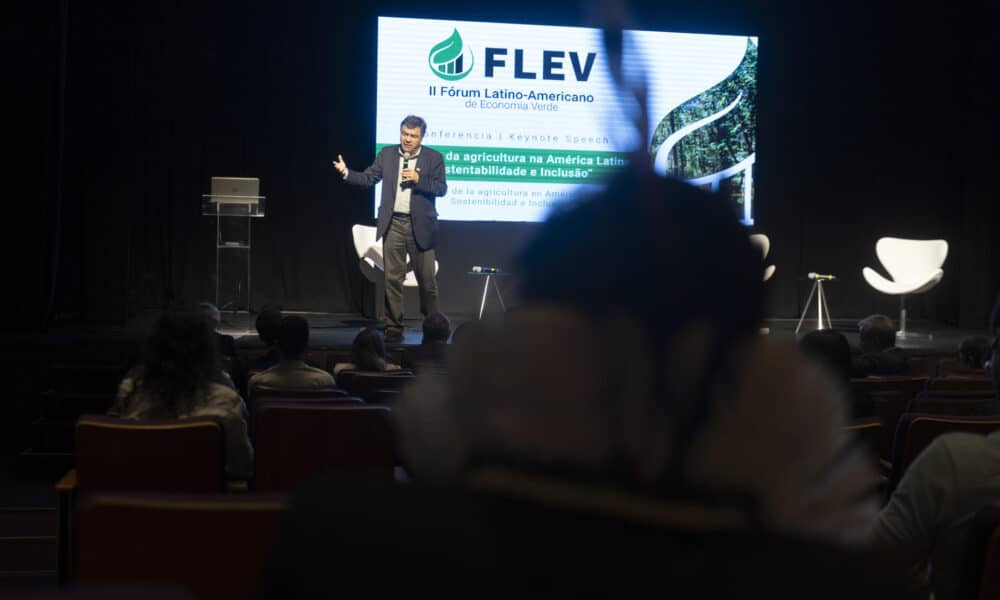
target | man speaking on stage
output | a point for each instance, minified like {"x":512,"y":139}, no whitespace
{"x":407,"y":220}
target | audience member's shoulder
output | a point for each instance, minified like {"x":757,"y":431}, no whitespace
{"x":337,"y":368}
{"x":961,"y":445}
{"x":220,"y":397}
{"x":319,"y":376}
{"x":263,"y":375}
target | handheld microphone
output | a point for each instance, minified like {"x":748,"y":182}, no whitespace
{"x":406,"y":165}
{"x":821,"y":277}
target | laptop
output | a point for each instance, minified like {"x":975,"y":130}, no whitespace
{"x":236,"y":190}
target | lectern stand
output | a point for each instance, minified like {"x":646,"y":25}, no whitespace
{"x":233,"y":222}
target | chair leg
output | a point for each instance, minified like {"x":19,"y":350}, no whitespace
{"x":379,"y":307}
{"x":905,"y":333}
{"x":902,"y":317}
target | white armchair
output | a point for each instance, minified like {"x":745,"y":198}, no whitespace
{"x":761,"y":241}
{"x":370,"y":260}
{"x":914,"y":265}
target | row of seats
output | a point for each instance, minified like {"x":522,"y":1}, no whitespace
{"x":912,"y":434}
{"x":311,"y":422}
{"x":296,"y":439}
{"x":894,"y":395}
{"x":214,"y":546}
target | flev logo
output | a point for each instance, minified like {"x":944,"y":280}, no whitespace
{"x":450,"y":60}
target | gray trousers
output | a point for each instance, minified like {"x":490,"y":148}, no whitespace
{"x":399,"y":242}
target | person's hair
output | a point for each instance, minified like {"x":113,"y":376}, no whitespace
{"x":974,"y":351}
{"x":412,"y":121}
{"x":368,"y":351}
{"x":666,"y":229}
{"x":268,"y":324}
{"x":607,"y":256}
{"x":877,"y":332}
{"x":831,"y":349}
{"x":180,"y":357}
{"x":461,"y":331}
{"x":293,"y":337}
{"x":437,"y":328}
{"x":211,"y":313}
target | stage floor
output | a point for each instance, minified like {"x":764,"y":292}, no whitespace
{"x":337,"y":330}
{"x":331,"y":330}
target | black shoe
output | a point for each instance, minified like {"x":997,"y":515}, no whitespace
{"x":393,"y":337}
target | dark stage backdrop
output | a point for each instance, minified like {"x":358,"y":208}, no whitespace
{"x":872,"y":122}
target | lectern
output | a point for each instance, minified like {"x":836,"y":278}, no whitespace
{"x":234,"y":202}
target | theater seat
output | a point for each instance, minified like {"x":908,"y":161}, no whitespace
{"x":299,"y":440}
{"x":122,"y":455}
{"x":367,"y":384}
{"x":211,"y":545}
{"x":916,"y":431}
{"x":981,"y":570}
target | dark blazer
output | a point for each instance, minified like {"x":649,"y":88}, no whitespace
{"x":432,"y":184}
{"x":894,"y":361}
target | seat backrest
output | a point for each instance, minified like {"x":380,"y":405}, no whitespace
{"x":382,"y":397}
{"x":890,"y":396}
{"x":366,"y":246}
{"x":956,"y":383}
{"x":364,"y":384}
{"x":954,"y":403}
{"x":184,"y":455}
{"x":318,"y":392}
{"x":299,"y":440}
{"x":980,"y":576}
{"x":317,"y":395}
{"x":212,"y":545}
{"x":910,"y":260}
{"x":950,"y":365}
{"x":869,"y":433}
{"x":923,"y":366}
{"x":916,"y":431}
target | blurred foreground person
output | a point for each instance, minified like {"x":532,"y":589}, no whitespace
{"x":610,"y":434}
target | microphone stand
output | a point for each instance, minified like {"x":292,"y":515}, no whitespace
{"x":822,"y":306}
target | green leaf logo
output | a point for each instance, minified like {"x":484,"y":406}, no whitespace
{"x":449,"y":60}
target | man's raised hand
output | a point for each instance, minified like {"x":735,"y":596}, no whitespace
{"x":340,"y":165}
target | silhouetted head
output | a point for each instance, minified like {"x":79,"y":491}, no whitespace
{"x":633,"y":301}
{"x":437,"y":328}
{"x":658,"y":250}
{"x":461,"y":330}
{"x":368,"y":350}
{"x":831,"y":349}
{"x":973,"y":352}
{"x":268,"y":325}
{"x":211,"y":313}
{"x":876,"y":333}
{"x":293,"y":337}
